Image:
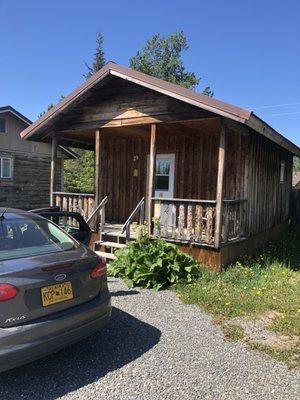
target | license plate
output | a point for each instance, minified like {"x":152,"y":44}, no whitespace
{"x":56,"y":293}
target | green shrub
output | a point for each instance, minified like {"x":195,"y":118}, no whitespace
{"x":153,"y":263}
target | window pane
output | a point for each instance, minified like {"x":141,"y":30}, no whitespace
{"x":19,"y":238}
{"x":162,"y":167}
{"x":2,"y":125}
{"x":6,"y":168}
{"x":162,"y":183}
{"x":69,"y":224}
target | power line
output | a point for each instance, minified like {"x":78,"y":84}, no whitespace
{"x":275,"y":105}
{"x":288,"y":113}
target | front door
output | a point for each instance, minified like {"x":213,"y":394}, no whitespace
{"x":164,"y":177}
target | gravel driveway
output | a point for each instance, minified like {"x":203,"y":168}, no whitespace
{"x":155,"y":348}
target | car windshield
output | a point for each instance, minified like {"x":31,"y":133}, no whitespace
{"x":27,"y":237}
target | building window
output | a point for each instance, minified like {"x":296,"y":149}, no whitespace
{"x":282,"y":172}
{"x":2,"y":125}
{"x":162,"y":175}
{"x":6,"y":167}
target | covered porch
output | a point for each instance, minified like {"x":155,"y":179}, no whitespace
{"x":187,"y":179}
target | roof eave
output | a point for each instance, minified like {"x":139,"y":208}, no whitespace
{"x":215,"y":106}
{"x":257,"y":124}
{"x":13,"y":111}
{"x":64,"y":103}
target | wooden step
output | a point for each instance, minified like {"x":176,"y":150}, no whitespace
{"x":103,"y":254}
{"x":110,"y":244}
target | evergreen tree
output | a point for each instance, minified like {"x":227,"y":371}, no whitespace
{"x":161,"y":57}
{"x":99,"y":57}
{"x":79,"y":174}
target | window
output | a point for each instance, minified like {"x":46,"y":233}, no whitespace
{"x":6,"y":166}
{"x":282,"y":172}
{"x":162,"y":175}
{"x":22,"y":237}
{"x":2,"y":125}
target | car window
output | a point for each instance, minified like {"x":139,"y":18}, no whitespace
{"x":69,"y":224}
{"x":26,"y":238}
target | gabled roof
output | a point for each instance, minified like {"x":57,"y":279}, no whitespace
{"x":9,"y":109}
{"x":16,"y":113}
{"x":202,"y":101}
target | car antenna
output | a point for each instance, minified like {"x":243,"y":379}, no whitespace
{"x":2,"y":215}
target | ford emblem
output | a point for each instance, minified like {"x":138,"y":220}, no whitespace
{"x":60,"y":277}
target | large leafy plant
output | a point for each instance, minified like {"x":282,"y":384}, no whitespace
{"x":153,"y":263}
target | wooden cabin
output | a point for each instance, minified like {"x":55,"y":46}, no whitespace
{"x":209,"y":176}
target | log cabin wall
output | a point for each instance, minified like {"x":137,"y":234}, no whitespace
{"x":28,"y":189}
{"x":196,"y":160}
{"x":268,"y":198}
{"x":234,"y":169}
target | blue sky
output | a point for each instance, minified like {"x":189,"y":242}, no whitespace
{"x":248,"y":52}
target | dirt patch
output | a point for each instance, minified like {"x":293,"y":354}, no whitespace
{"x":258,"y":331}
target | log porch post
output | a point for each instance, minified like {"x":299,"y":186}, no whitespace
{"x":151,"y":174}
{"x":97,"y":183}
{"x":53,"y":169}
{"x":220,"y":181}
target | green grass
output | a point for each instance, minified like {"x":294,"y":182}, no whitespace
{"x":253,"y":286}
{"x":233,"y":332}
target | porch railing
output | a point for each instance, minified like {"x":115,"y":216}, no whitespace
{"x":76,"y":202}
{"x":185,"y":220}
{"x":96,"y":219}
{"x":140,"y":208}
{"x":188,"y":220}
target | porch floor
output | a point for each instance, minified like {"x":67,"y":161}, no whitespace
{"x":115,"y":230}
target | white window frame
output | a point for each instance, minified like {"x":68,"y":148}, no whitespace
{"x":282,"y":172}
{"x":10,"y":168}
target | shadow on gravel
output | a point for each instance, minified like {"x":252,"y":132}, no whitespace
{"x":125,"y":293}
{"x":122,"y":341}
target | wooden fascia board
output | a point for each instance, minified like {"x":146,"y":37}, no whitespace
{"x":9,"y":111}
{"x":259,"y":126}
{"x":62,"y":106}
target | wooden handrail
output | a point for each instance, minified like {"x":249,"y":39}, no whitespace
{"x":84,"y":203}
{"x":171,"y":200}
{"x":126,"y":227}
{"x":100,"y":205}
{"x":74,"y":194}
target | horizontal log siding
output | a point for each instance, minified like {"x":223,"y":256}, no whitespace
{"x":30,"y":185}
{"x":268,"y":199}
